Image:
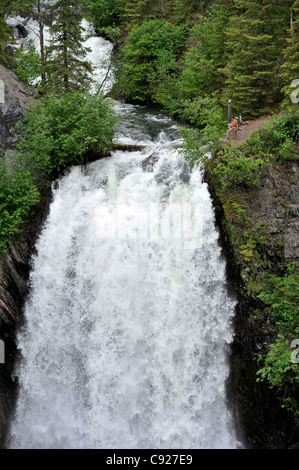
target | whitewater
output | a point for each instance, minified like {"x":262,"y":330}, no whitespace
{"x":128,"y":322}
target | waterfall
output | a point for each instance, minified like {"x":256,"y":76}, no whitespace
{"x":128,"y":322}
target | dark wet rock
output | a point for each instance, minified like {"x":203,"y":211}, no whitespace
{"x":14,"y":273}
{"x":21,"y":30}
{"x":149,"y":162}
{"x":163,"y":176}
{"x":15,"y":264}
{"x":185,"y":174}
{"x":261,"y":420}
{"x":18,"y":97}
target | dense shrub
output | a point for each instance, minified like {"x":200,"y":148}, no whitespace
{"x":17,"y":195}
{"x":282,"y":294}
{"x":149,"y":56}
{"x":58,"y":132}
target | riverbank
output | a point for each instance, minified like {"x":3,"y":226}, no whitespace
{"x":259,"y":232}
{"x":15,"y":267}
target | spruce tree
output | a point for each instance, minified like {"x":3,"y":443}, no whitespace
{"x":204,"y":61}
{"x":256,"y":39}
{"x":136,"y":11}
{"x":66,"y":66}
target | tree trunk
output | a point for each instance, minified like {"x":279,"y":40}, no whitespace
{"x":41,"y":41}
{"x":65,"y":58}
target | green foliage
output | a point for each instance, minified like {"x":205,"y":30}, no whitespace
{"x":66,"y":66}
{"x":278,"y":139}
{"x":238,"y":168}
{"x":136,"y":11}
{"x":204,"y":60}
{"x":149,"y":55}
{"x":193,"y":150}
{"x":59,"y":132}
{"x":17,"y":195}
{"x":103,"y":13}
{"x":207,"y":114}
{"x":282,"y":294}
{"x":5,"y":30}
{"x":285,"y":127}
{"x":286,"y":151}
{"x":255,"y":48}
{"x":27,"y":63}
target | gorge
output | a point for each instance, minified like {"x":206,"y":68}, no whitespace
{"x":128,"y":334}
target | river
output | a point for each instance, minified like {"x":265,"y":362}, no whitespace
{"x":128,"y":322}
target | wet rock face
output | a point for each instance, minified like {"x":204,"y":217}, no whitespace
{"x":14,"y":272}
{"x":148,"y":163}
{"x":261,"y":421}
{"x":276,"y":203}
{"x":17,"y":98}
{"x":22,"y":33}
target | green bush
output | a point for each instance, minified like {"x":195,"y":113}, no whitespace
{"x":286,"y":126}
{"x":282,"y":294}
{"x":55,"y":133}
{"x":58,"y":132}
{"x":237,"y":168}
{"x":278,"y":138}
{"x":103,"y":13}
{"x":151,"y":50}
{"x":17,"y":195}
{"x":28,"y":63}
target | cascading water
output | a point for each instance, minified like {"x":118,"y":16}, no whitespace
{"x":128,"y":321}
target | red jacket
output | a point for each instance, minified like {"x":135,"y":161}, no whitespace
{"x":234,"y":123}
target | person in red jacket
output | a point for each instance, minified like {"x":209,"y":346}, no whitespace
{"x":233,"y":127}
{"x":235,"y":123}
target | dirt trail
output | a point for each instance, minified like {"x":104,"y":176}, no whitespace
{"x":245,"y":131}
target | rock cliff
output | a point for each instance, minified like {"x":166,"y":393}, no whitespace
{"x":17,"y":98}
{"x":273,"y":205}
{"x":14,"y":266}
{"x":14,"y":273}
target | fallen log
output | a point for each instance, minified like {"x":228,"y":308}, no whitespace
{"x":92,"y":156}
{"x":129,"y":147}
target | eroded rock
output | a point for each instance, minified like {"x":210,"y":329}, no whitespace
{"x":17,"y":98}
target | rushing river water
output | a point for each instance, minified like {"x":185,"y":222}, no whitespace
{"x":128,"y":321}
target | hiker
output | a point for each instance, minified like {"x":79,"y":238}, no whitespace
{"x":232,"y":128}
{"x":235,"y":122}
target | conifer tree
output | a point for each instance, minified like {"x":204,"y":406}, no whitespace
{"x":136,"y":11}
{"x":66,"y":66}
{"x":205,"y":60}
{"x":256,"y":39}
